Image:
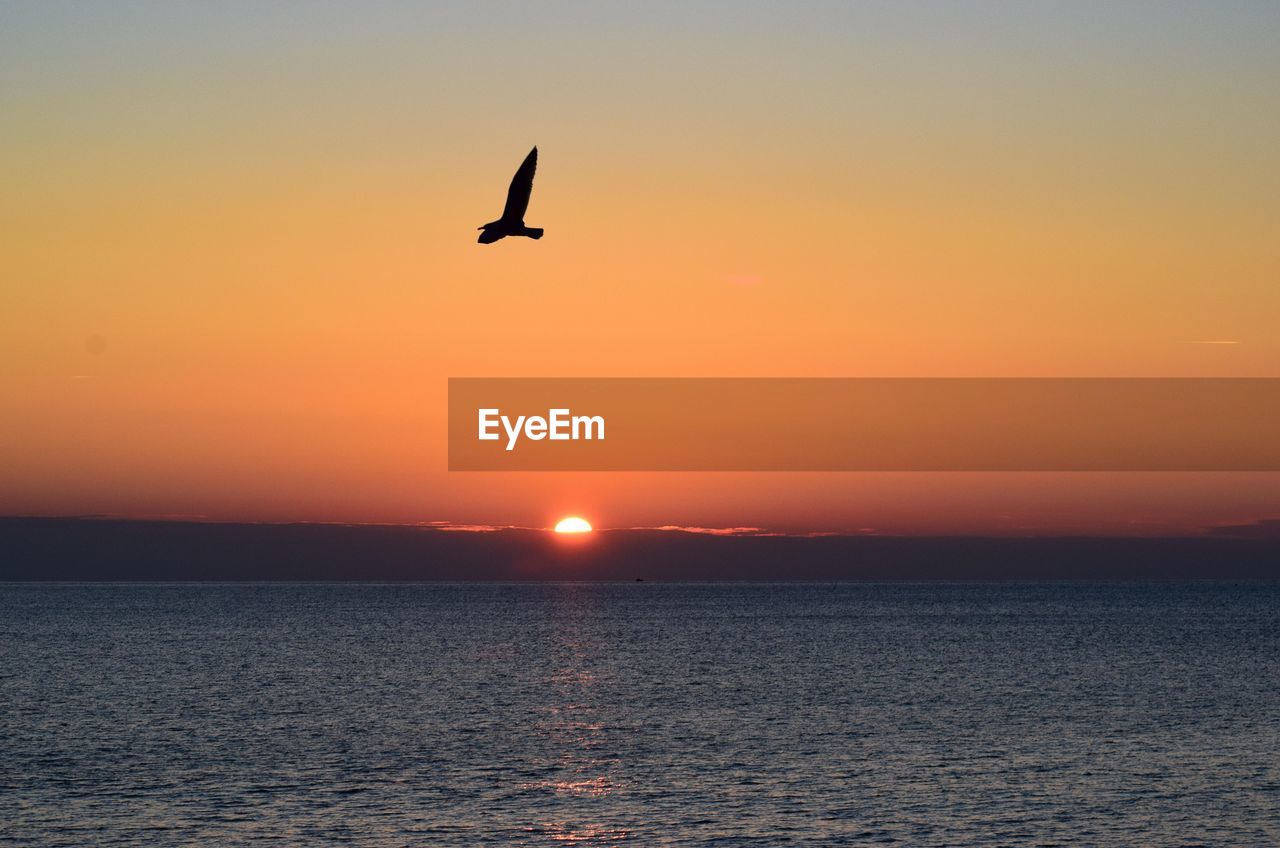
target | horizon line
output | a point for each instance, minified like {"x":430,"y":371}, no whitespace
{"x":1245,"y":528}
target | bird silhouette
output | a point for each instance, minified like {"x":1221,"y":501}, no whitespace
{"x":512,"y":221}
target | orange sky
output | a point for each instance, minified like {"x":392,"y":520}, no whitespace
{"x":237,"y":258}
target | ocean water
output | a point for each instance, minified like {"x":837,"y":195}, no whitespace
{"x":640,"y":714}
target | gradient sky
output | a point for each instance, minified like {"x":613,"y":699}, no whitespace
{"x":237,"y":258}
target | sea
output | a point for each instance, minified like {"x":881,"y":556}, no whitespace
{"x":645,"y":714}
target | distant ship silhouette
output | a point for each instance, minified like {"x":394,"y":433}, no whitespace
{"x":512,"y":221}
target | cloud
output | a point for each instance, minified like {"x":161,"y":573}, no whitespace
{"x":1265,"y":528}
{"x":452,"y":527}
{"x":736,"y":531}
{"x":712,"y":531}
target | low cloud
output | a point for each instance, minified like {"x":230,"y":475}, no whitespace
{"x":466,"y":528}
{"x":735,"y":531}
{"x":1266,"y":528}
{"x":713,"y":531}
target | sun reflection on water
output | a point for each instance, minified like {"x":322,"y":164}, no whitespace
{"x":579,"y":771}
{"x":585,"y":835}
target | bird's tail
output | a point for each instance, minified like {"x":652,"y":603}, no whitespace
{"x":533,"y":232}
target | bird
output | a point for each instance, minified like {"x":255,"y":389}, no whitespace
{"x":512,"y":221}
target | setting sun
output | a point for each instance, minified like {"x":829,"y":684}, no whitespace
{"x":573,"y":524}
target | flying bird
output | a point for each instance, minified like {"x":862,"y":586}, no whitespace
{"x":512,"y":221}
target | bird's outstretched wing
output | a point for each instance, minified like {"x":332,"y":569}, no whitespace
{"x":521,"y":188}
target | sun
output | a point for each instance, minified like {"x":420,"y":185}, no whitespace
{"x":573,"y":524}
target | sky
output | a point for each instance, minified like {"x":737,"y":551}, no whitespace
{"x":238,"y":258}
